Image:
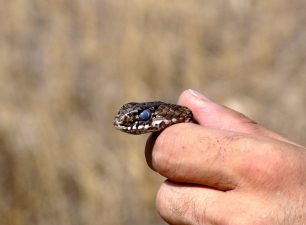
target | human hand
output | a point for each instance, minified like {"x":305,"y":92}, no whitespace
{"x":227,"y":170}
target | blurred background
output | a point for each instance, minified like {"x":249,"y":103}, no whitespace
{"x":66,"y":67}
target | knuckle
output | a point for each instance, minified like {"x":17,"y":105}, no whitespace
{"x":161,"y":199}
{"x":164,"y":158}
{"x":171,"y":204}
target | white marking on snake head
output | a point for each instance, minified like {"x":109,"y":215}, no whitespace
{"x":156,"y":123}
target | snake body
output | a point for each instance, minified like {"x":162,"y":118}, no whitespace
{"x":140,"y":118}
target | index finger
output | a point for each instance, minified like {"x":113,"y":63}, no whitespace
{"x":194,"y":154}
{"x":220,"y":159}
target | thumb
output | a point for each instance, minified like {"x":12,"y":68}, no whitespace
{"x":210,"y":114}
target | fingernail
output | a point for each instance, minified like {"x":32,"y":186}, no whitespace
{"x":199,"y":96}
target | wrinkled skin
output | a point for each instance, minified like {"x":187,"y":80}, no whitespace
{"x":227,"y":170}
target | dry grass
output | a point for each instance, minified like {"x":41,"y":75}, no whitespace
{"x":67,"y":66}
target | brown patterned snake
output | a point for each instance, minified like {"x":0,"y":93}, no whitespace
{"x":140,"y":118}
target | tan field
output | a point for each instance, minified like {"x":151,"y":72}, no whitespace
{"x":67,"y":66}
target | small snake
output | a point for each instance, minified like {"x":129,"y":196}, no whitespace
{"x":140,"y":118}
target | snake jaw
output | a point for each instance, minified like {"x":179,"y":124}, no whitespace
{"x":162,"y":116}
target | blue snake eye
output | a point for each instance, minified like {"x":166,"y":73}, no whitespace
{"x":145,"y":115}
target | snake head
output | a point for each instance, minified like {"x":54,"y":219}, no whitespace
{"x":139,"y":118}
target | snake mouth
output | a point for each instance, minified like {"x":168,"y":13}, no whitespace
{"x":133,"y":128}
{"x":121,"y":125}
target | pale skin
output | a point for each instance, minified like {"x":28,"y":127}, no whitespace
{"x":227,"y":170}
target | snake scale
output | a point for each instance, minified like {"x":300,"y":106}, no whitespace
{"x":140,"y":118}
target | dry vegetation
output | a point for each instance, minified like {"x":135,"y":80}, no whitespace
{"x":66,"y":66}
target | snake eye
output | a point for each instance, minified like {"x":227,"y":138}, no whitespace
{"x":145,"y":115}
